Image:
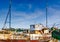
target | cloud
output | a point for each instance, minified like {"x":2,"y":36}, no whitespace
{"x":53,"y":16}
{"x":28,"y":16}
{"x":23,"y":19}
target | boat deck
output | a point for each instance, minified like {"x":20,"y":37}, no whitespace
{"x":22,"y":41}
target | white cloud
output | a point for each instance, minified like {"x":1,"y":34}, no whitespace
{"x":23,"y":19}
{"x":27,"y":16}
{"x":54,"y":16}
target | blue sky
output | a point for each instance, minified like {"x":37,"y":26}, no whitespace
{"x":27,"y":12}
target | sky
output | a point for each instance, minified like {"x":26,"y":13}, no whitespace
{"x":27,"y":12}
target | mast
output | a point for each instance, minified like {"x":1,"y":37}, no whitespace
{"x":10,"y":14}
{"x":46,"y":14}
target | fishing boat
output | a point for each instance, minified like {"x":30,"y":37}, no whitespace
{"x":10,"y":36}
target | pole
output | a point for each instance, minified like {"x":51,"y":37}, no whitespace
{"x":46,"y":14}
{"x":10,"y":14}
